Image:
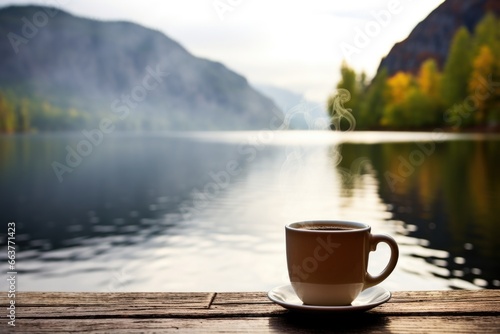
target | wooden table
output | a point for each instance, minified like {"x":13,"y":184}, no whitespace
{"x":246,"y":312}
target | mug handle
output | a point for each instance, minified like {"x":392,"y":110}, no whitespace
{"x":375,"y":239}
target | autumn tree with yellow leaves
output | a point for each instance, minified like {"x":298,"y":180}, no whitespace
{"x":465,"y":93}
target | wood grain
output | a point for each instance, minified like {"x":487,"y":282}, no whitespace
{"x":247,"y":312}
{"x":364,"y":324}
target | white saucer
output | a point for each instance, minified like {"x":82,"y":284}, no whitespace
{"x":367,"y":299}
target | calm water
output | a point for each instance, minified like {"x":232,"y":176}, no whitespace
{"x":206,"y":211}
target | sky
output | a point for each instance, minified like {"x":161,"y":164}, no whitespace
{"x":298,"y":45}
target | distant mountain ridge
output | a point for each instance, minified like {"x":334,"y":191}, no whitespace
{"x":101,"y":67}
{"x":431,"y":38}
{"x":299,"y":112}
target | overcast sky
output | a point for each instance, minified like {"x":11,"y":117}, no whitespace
{"x":296,"y":44}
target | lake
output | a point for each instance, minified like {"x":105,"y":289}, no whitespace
{"x":205,"y":211}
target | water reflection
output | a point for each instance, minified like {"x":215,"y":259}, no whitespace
{"x":205,"y":211}
{"x":447,"y":195}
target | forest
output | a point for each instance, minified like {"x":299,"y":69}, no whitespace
{"x":463,"y":95}
{"x":27,"y":114}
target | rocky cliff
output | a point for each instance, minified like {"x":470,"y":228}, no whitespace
{"x":431,"y":38}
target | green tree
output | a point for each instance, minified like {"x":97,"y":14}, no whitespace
{"x":457,"y":68}
{"x":349,"y":81}
{"x":419,"y":109}
{"x":356,"y":85}
{"x":7,"y":115}
{"x":467,"y":92}
{"x":429,"y":79}
{"x":412,"y":102}
{"x":371,"y":107}
{"x":487,"y":33}
{"x":427,"y":102}
{"x":479,"y":88}
{"x":486,"y":65}
{"x":396,"y":112}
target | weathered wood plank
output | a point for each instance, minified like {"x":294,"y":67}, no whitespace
{"x":406,"y":312}
{"x":241,"y":298}
{"x":193,"y":305}
{"x":401,"y":303}
{"x":92,"y":299}
{"x":137,"y":310}
{"x":363,"y":323}
{"x":442,"y":302}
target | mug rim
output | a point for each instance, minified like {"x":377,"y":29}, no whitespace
{"x":357,"y":226}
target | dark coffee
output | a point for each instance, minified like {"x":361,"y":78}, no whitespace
{"x":326,"y":228}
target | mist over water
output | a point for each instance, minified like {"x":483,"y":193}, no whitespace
{"x":206,"y":211}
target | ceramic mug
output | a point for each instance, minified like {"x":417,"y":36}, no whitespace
{"x":328,"y":260}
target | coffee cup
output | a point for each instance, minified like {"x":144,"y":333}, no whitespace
{"x":328,"y":260}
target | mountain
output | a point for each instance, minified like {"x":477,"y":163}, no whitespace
{"x":122,"y":69}
{"x":299,"y":112}
{"x":431,"y":38}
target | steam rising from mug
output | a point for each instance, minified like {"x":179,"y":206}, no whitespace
{"x":338,"y":111}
